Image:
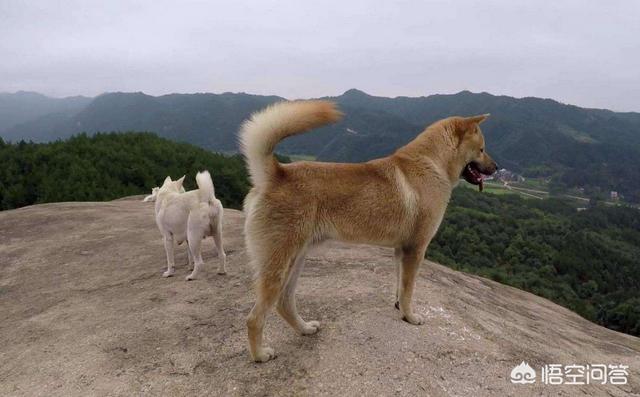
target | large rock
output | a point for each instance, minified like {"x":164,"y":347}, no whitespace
{"x":84,"y":311}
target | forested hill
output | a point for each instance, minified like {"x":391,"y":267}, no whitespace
{"x":594,"y":149}
{"x":109,"y":166}
{"x":598,"y":150}
{"x":584,"y":260}
{"x":210,"y":121}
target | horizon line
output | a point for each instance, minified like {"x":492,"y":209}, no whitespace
{"x":316,"y":97}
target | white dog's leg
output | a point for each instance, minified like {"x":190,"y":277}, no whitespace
{"x":168,"y":248}
{"x":189,"y":258}
{"x":195,"y":243}
{"x":287,"y":303}
{"x":222,"y":257}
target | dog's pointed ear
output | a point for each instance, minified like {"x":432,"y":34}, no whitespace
{"x":467,"y":124}
{"x":477,"y":119}
{"x":180,"y":181}
{"x":167,"y":181}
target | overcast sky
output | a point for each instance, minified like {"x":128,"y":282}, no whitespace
{"x":580,"y":52}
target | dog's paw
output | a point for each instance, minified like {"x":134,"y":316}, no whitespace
{"x":190,"y":277}
{"x":413,"y":318}
{"x":264,"y":354}
{"x":168,"y":273}
{"x":310,"y":328}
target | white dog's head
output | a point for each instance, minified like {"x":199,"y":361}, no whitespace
{"x":172,"y":186}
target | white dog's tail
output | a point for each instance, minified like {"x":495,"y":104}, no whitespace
{"x":260,"y":134}
{"x":205,"y":187}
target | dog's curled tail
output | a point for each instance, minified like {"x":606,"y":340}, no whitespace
{"x":260,"y":134}
{"x":205,"y":187}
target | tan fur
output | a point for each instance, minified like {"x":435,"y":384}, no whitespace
{"x":397,"y":201}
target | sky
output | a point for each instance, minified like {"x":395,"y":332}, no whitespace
{"x":580,"y":52}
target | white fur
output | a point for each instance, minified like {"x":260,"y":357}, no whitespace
{"x":154,"y":194}
{"x":190,"y":217}
{"x":253,"y":138}
{"x":409,"y":195}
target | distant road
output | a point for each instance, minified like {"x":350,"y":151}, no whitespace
{"x":523,"y":191}
{"x":528,"y":192}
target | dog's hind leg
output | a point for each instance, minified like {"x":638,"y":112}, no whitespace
{"x":189,"y":257}
{"x":287,"y":303}
{"x":195,"y":245}
{"x":168,"y":248}
{"x":269,"y":285}
{"x":397,"y":257}
{"x":411,"y":260}
{"x":197,"y":226}
{"x":222,"y":257}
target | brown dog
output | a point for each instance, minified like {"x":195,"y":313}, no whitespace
{"x":397,"y":201}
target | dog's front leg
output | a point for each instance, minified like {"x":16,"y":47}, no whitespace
{"x":397,"y":258}
{"x":168,"y":248}
{"x":411,"y":260}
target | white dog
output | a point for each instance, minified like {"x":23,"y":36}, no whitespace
{"x":190,"y":217}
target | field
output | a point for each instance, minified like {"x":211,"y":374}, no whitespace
{"x":537,"y":188}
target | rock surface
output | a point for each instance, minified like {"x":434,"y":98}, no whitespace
{"x":84,"y":311}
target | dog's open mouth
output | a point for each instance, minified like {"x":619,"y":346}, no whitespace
{"x":472,"y":174}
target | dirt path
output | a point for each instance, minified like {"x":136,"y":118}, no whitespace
{"x":84,"y":311}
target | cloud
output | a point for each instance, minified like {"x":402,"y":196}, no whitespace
{"x":582,"y":52}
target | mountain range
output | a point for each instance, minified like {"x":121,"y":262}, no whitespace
{"x":595,"y":149}
{"x":37,"y":112}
